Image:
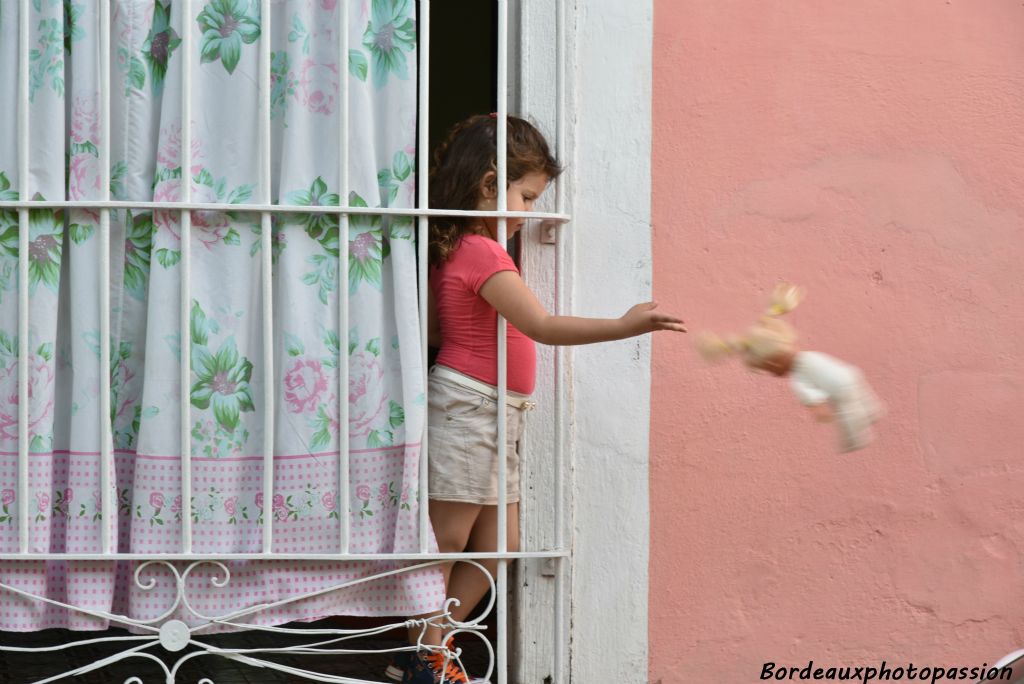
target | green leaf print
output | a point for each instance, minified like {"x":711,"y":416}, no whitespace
{"x":294,"y":345}
{"x":117,"y":174}
{"x":390,"y":34}
{"x":138,"y":244}
{"x":160,"y":44}
{"x":168,"y":257}
{"x":322,"y":437}
{"x":46,"y":231}
{"x":46,"y":351}
{"x":396,"y":415}
{"x":321,"y":227}
{"x":227,"y":25}
{"x":199,"y":326}
{"x":299,"y":32}
{"x":282,"y":83}
{"x":80,"y":233}
{"x":46,"y":61}
{"x":401,"y":165}
{"x":379,"y":438}
{"x":221,"y":381}
{"x":357,"y":64}
{"x":72,"y":30}
{"x":366,"y":249}
{"x":8,"y":220}
{"x":136,"y":74}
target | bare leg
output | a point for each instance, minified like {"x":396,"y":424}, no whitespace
{"x":467,"y":583}
{"x":453,"y":521}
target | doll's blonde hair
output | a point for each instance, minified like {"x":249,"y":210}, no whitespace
{"x":767,"y":338}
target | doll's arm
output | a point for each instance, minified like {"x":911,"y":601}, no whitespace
{"x":813,"y":398}
{"x":808,"y":394}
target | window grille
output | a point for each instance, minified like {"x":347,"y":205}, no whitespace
{"x":174,"y":635}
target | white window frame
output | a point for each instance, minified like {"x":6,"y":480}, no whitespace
{"x":603,"y":262}
{"x":569,"y":556}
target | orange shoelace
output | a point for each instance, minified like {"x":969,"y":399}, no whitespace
{"x":453,"y":673}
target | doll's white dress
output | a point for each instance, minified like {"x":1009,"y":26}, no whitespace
{"x":817,"y":378}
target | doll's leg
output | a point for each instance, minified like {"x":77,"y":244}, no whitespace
{"x":853,"y":423}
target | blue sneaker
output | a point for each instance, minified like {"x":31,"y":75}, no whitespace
{"x":400,"y":662}
{"x":414,"y":667}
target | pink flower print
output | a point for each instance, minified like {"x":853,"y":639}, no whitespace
{"x":176,"y":504}
{"x":382,"y":492}
{"x":40,"y":397}
{"x":279,"y":506}
{"x":259,"y":499}
{"x":123,"y":374}
{"x":167,"y":191}
{"x":43,"y":500}
{"x":281,"y":514}
{"x":229,"y":506}
{"x":363,"y":492}
{"x":366,"y":398}
{"x":361,"y":246}
{"x":305,"y":383}
{"x":405,"y":493}
{"x":97,"y":499}
{"x":211,"y":226}
{"x":68,"y":495}
{"x":156,"y":500}
{"x":318,"y":86}
{"x":328,"y":501}
{"x":168,"y":154}
{"x":7,"y":497}
{"x":84,"y":177}
{"x":85,"y":121}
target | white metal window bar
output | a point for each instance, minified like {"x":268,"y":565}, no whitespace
{"x":174,"y":635}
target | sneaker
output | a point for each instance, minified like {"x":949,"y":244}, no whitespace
{"x":427,"y":668}
{"x":400,"y":662}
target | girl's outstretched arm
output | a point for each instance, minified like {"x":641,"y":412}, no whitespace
{"x":510,"y":296}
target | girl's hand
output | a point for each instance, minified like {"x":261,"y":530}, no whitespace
{"x":642,"y":318}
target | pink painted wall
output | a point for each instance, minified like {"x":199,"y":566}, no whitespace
{"x":872,"y":151}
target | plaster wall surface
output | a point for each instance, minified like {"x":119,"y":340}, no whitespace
{"x":611,"y":271}
{"x":872,"y":152}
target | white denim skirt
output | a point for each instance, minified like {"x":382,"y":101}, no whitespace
{"x":462,"y":439}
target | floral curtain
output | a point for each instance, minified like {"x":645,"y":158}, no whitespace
{"x":224,"y":333}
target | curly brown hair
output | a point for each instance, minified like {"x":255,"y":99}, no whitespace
{"x":464,"y":158}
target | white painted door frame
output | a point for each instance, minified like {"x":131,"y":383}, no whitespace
{"x":607,"y":186}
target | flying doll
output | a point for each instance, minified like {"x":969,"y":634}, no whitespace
{"x":834,"y":390}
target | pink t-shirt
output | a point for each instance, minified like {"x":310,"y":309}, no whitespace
{"x":469,"y":325}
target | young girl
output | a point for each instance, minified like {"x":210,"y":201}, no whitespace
{"x":472,"y":280}
{"x":831,"y":388}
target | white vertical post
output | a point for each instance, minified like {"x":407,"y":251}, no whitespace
{"x":559,"y":381}
{"x":186,"y":274}
{"x":342,"y":499}
{"x":502,"y":144}
{"x":266,"y":253}
{"x":23,"y":228}
{"x":422,"y":239}
{"x":107,"y":515}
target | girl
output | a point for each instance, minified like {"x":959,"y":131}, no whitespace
{"x":472,"y":280}
{"x":828,"y":386}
